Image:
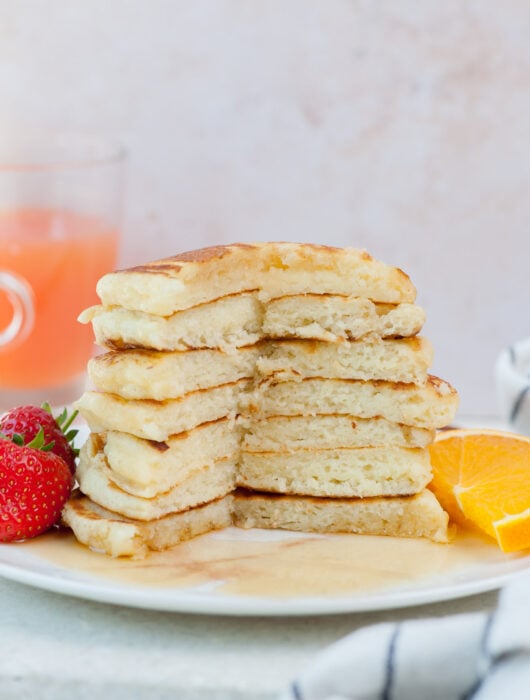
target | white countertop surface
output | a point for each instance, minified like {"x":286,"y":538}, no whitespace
{"x":57,"y":647}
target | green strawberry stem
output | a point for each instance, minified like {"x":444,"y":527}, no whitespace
{"x":64,"y":421}
{"x":37,"y":443}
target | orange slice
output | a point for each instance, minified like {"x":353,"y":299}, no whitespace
{"x":482,"y":479}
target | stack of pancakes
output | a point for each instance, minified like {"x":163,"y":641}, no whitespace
{"x":272,"y":385}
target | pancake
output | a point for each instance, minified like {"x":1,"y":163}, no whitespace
{"x":196,"y":488}
{"x":432,"y":405}
{"x":158,"y":420}
{"x":147,"y":468}
{"x":274,"y":269}
{"x":355,"y":472}
{"x":409,"y":516}
{"x":152,"y":374}
{"x":241,"y":319}
{"x":104,"y":531}
{"x":231,"y":321}
{"x":286,"y":433}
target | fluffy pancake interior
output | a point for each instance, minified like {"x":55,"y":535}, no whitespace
{"x":332,"y":317}
{"x":287,"y":433}
{"x":358,"y":472}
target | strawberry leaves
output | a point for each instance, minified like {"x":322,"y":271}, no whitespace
{"x":64,"y":421}
{"x":26,"y":421}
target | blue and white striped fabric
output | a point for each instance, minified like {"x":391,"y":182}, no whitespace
{"x":462,"y":657}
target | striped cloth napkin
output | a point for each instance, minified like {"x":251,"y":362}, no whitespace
{"x":461,"y":657}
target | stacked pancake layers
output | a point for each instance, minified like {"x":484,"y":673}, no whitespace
{"x":268,"y":385}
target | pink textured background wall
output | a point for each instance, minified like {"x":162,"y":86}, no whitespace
{"x":402,"y":127}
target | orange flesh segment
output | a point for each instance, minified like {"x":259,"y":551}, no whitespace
{"x":513,"y":532}
{"x":446,"y":457}
{"x":483,"y":478}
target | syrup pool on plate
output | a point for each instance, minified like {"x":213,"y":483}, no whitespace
{"x":277,"y":564}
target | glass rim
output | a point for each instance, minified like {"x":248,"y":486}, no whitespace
{"x":37,"y":150}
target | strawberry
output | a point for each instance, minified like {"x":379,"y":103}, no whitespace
{"x":35,"y":484}
{"x":28,"y":420}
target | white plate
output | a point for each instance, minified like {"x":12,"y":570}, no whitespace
{"x":255,"y":572}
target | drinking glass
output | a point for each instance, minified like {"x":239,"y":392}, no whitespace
{"x":60,"y":216}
